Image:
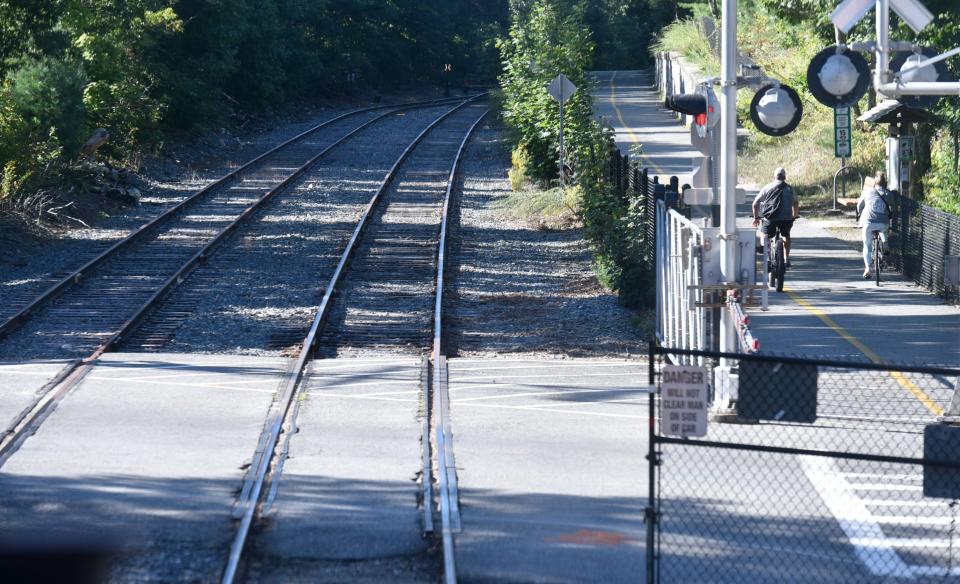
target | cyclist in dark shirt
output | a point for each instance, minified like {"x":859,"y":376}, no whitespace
{"x":780,"y":219}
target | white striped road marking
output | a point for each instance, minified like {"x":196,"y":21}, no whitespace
{"x":893,"y":477}
{"x":538,"y":386}
{"x":641,"y":366}
{"x":900,"y":542}
{"x":198,"y":385}
{"x":902,"y":503}
{"x":877,"y":487}
{"x":870,"y":545}
{"x":536,"y":393}
{"x":543,"y":409}
{"x":898,"y":520}
{"x":471,"y":379}
{"x":344,"y":396}
{"x":314,"y":385}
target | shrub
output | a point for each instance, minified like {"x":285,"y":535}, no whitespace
{"x":47,"y":94}
{"x":518,"y":171}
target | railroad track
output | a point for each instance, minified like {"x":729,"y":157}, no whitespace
{"x":95,"y":307}
{"x":396,"y":253}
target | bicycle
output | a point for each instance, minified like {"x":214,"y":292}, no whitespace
{"x":776,"y":262}
{"x":877,"y":254}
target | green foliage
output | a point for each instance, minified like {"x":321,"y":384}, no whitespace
{"x":622,"y":30}
{"x":47,"y":94}
{"x":546,"y":206}
{"x":517,"y":174}
{"x":143,"y":68}
{"x":684,"y":37}
{"x":548,"y":37}
{"x":942,"y":182}
{"x":782,"y":35}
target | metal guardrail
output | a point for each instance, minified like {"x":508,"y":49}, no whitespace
{"x":683,"y":319}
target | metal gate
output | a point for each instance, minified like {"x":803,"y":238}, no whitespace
{"x":835,"y":472}
{"x":690,"y":293}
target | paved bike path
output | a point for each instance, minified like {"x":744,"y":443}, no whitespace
{"x":828,"y":309}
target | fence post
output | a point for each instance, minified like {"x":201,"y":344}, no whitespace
{"x":650,"y":513}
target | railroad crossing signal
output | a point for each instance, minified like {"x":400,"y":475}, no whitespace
{"x":849,"y":13}
{"x":842,"y":136}
{"x":838,"y":76}
{"x":912,"y":76}
{"x":703,"y":106}
{"x":447,"y":67}
{"x":776,"y":109}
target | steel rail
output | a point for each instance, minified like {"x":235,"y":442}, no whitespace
{"x":77,"y":275}
{"x":74,"y":372}
{"x":271,"y":435}
{"x":446,"y":464}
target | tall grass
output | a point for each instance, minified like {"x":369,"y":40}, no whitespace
{"x":683,"y":36}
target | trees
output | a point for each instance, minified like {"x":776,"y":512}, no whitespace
{"x":549,"y":37}
{"x":143,"y":68}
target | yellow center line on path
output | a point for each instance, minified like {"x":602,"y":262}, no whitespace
{"x":633,"y":137}
{"x":900,"y":378}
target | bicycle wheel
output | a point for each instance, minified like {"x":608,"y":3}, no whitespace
{"x":781,"y":265}
{"x":877,"y":255}
{"x":771,"y":271}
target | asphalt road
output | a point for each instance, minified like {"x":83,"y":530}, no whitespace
{"x":552,"y":476}
{"x":628,"y":101}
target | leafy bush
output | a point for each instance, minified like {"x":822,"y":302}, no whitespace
{"x":684,"y":37}
{"x":47,"y":94}
{"x":548,"y":37}
{"x":942,"y":182}
{"x":518,"y":170}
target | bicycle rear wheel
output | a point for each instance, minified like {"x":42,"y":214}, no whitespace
{"x":780,"y":264}
{"x":877,"y":256}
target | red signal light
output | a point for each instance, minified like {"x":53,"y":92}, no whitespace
{"x":700,"y":119}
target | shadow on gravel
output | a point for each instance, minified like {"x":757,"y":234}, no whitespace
{"x":513,"y":288}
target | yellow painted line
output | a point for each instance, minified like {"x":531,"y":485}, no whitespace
{"x":633,"y":137}
{"x":900,"y":378}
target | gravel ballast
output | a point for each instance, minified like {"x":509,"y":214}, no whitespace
{"x":514,"y":288}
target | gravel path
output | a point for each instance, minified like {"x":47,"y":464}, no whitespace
{"x":516,"y":289}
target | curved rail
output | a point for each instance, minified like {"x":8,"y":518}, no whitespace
{"x":77,"y":275}
{"x":35,"y":413}
{"x":269,"y":440}
{"x":446,"y":464}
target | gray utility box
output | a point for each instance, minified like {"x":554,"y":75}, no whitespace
{"x":941,"y":443}
{"x":784,"y":392}
{"x":746,"y":256}
{"x":951,"y":271}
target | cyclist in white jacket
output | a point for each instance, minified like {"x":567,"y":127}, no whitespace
{"x":873,"y":211}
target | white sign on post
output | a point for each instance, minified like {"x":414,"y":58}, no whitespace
{"x":561,"y":88}
{"x":683,"y":401}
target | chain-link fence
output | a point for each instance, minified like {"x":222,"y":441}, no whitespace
{"x":825,"y":472}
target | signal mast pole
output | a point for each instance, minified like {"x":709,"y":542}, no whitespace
{"x":725,"y":392}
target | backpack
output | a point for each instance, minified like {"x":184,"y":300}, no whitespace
{"x":771,"y":203}
{"x":880,"y":192}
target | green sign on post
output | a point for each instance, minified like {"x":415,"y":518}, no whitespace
{"x":842,"y":136}
{"x":907,"y":148}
